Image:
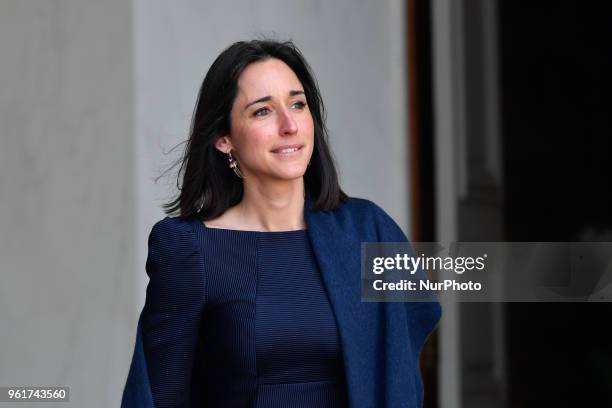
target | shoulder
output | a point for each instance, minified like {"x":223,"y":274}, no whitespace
{"x":369,"y":218}
{"x":363,"y":207}
{"x":172,"y":237}
{"x":175,"y":267}
{"x":353,"y":207}
{"x":174,"y":251}
{"x":172,"y":228}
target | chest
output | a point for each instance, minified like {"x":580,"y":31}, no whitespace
{"x":267,"y":314}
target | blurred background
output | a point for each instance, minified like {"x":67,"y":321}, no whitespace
{"x":469,"y":120}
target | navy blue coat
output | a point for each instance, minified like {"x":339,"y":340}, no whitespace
{"x":381,"y":342}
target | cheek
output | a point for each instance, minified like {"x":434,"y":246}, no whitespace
{"x":306,"y":125}
{"x":253,"y":138}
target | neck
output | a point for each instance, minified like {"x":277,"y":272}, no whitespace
{"x":276,"y":206}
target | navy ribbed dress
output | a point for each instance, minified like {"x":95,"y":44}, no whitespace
{"x":266,"y":335}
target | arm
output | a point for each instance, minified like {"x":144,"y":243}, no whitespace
{"x":172,"y":312}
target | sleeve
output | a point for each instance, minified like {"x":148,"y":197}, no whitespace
{"x":422,"y":317}
{"x":173,"y":310}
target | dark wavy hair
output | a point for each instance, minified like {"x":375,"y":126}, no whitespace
{"x":207,"y":186}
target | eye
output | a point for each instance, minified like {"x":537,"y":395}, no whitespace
{"x":261,"y":112}
{"x":299,"y":104}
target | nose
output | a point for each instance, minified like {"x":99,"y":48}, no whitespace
{"x":287,"y":125}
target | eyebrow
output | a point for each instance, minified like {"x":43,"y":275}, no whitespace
{"x":267,"y":98}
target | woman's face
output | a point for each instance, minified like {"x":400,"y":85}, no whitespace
{"x":269,"y":120}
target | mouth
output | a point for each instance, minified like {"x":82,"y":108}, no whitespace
{"x":288,"y":150}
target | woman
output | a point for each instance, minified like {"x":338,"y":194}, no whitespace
{"x":254,"y":296}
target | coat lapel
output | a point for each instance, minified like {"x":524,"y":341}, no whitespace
{"x":337,"y":249}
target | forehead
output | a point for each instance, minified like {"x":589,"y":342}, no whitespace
{"x":264,"y":78}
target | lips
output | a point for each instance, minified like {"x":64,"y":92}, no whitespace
{"x":287,"y":149}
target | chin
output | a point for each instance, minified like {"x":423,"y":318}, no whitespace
{"x":291,"y":174}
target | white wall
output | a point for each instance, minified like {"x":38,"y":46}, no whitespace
{"x":67,"y":196}
{"x":92,"y":93}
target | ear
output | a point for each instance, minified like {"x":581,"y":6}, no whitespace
{"x":224,"y":144}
